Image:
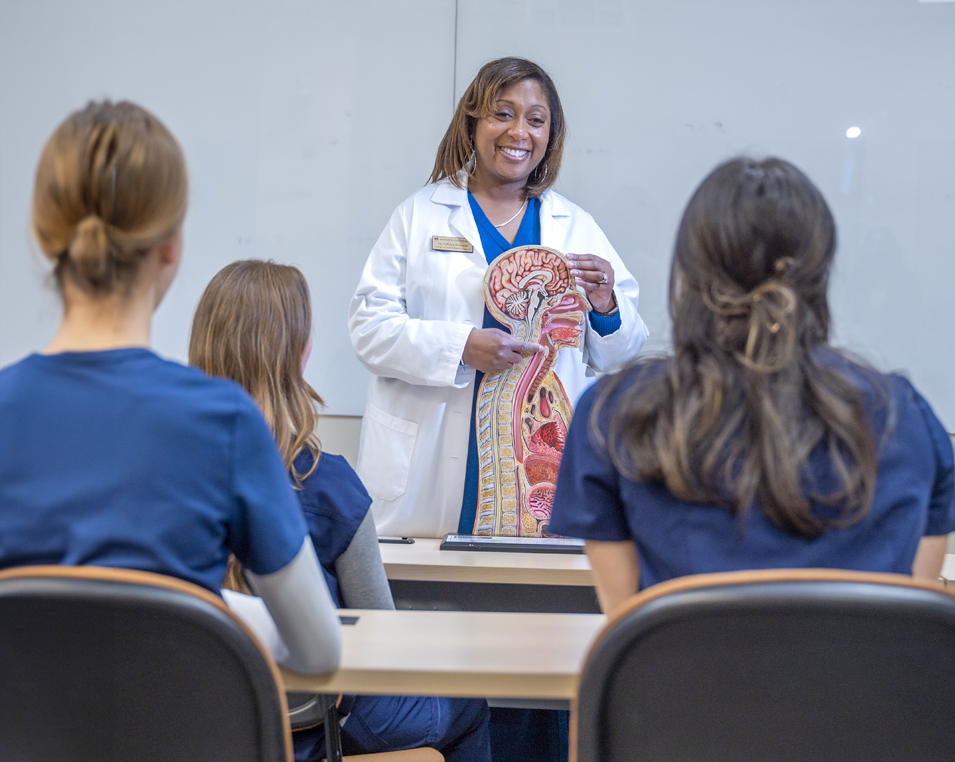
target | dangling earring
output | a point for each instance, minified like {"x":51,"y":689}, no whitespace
{"x":471,"y":163}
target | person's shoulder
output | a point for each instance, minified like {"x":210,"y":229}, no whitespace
{"x":554,"y":203}
{"x":193,"y":378}
{"x":643,"y":371}
{"x":878,"y":390}
{"x":609,"y":389}
{"x":136,"y":369}
{"x":18,"y":381}
{"x":438,"y":192}
{"x":907,"y":401}
{"x":332,"y":482}
{"x":337,"y":467}
{"x":14,"y":371}
{"x":425,"y":200}
{"x":337,"y":471}
{"x":890,"y":399}
{"x":196,"y":392}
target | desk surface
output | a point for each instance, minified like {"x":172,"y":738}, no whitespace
{"x":424,"y":562}
{"x":459,"y":653}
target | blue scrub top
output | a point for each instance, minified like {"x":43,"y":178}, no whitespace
{"x":913,"y":497}
{"x":122,"y":459}
{"x":335,"y":503}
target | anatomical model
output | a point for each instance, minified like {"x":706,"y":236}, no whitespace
{"x":523,"y":412}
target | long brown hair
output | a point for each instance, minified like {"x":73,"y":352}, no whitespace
{"x":733,"y":415}
{"x":457,"y":146}
{"x":253,"y":325}
{"x":111,"y":185}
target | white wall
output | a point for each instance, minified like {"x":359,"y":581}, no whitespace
{"x":657,"y":93}
{"x":303,"y":122}
{"x":306,"y":122}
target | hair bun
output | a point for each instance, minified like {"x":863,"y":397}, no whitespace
{"x":89,"y":248}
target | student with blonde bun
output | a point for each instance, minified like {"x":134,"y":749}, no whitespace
{"x":254,"y":325}
{"x":112,"y":456}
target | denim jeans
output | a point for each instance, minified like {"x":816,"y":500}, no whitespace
{"x":458,"y":728}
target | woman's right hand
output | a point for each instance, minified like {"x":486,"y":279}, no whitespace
{"x":489,"y":349}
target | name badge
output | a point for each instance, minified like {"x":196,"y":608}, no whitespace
{"x":446,"y":243}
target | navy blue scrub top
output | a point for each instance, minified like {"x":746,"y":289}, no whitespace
{"x":913,"y":497}
{"x":335,"y":503}
{"x":120,"y":458}
{"x":495,"y":244}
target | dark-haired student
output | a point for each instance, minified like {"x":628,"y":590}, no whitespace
{"x":253,"y":325}
{"x":756,"y":444}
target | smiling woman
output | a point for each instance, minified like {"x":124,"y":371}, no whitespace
{"x":418,"y":318}
{"x":420,"y":324}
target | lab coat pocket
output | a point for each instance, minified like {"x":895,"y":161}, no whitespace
{"x":384,"y":457}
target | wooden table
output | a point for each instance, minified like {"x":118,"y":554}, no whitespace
{"x":424,"y":577}
{"x":458,"y":653}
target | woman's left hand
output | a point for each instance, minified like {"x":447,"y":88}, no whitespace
{"x":595,"y":275}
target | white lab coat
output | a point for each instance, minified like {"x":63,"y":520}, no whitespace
{"x":409,"y":320}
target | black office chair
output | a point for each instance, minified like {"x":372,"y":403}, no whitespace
{"x":308,"y":710}
{"x":110,"y":665}
{"x":774,"y":666}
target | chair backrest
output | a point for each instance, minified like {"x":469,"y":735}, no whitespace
{"x":808,"y":665}
{"x":110,"y":665}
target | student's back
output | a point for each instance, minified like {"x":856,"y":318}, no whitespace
{"x":675,"y":537}
{"x":755,"y":445}
{"x":111,"y":456}
{"x":119,"y":458}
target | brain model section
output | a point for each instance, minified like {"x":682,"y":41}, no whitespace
{"x":522,"y":413}
{"x":530,"y":274}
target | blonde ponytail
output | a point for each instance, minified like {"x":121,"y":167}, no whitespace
{"x":89,"y":249}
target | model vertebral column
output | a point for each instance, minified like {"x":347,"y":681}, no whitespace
{"x":522,"y":413}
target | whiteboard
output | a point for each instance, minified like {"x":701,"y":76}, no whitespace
{"x":305,"y":123}
{"x":657,"y":93}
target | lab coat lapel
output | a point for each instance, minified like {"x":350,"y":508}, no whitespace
{"x":461,"y":220}
{"x":555,"y":218}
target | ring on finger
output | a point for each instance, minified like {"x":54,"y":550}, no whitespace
{"x":604,"y":279}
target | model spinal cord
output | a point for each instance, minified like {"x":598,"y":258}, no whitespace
{"x":523,"y":412}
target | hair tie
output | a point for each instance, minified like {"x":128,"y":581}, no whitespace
{"x":724,"y":304}
{"x":775,"y":315}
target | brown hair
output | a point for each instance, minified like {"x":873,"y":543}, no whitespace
{"x":733,"y":415}
{"x":457,"y":145}
{"x":252,"y":325}
{"x":111,"y":185}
